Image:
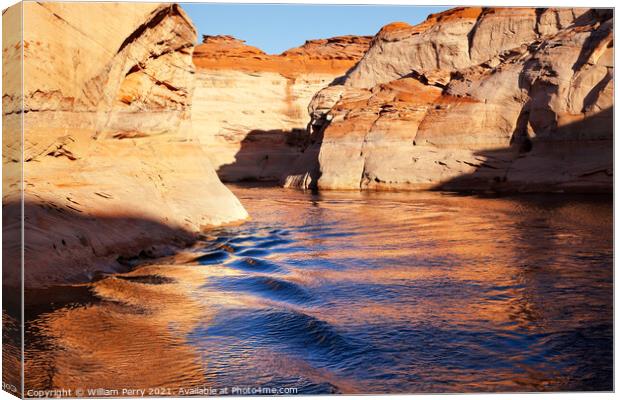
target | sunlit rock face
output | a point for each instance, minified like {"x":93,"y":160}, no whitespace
{"x":250,"y":109}
{"x":111,"y":164}
{"x":471,"y":99}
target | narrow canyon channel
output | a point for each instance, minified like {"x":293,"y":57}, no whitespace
{"x":350,"y":292}
{"x":139,"y":273}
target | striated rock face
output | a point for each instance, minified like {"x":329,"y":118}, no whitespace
{"x":250,"y":108}
{"x":471,"y":99}
{"x":344,"y":48}
{"x":111,"y":163}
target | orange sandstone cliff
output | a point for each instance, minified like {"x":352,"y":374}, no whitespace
{"x":250,"y":109}
{"x":111,"y":165}
{"x":496,"y":99}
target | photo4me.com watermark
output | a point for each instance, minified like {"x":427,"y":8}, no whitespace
{"x":161,"y":391}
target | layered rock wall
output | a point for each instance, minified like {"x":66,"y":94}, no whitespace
{"x":471,"y":99}
{"x":250,"y":108}
{"x":111,"y":166}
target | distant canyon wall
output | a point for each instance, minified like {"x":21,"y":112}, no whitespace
{"x":250,"y":109}
{"x":503,"y":99}
{"x":112,"y":167}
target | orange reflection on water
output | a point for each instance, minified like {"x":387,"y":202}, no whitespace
{"x":355,"y":292}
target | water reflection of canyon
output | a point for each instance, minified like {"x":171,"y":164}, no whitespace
{"x":352,"y":292}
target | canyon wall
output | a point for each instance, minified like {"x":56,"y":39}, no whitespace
{"x":496,"y":99}
{"x":250,"y":109}
{"x":111,"y":165}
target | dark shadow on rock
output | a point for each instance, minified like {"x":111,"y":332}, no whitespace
{"x":340,"y":80}
{"x":306,"y":170}
{"x":596,"y":36}
{"x":63,"y":246}
{"x":594,"y":93}
{"x":576,"y":157}
{"x":265,"y":156}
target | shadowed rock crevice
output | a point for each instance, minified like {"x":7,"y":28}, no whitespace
{"x":265,"y":156}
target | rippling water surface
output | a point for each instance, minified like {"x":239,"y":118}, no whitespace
{"x":352,"y":292}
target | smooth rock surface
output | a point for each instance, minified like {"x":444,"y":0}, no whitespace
{"x":112,"y":167}
{"x":471,"y":99}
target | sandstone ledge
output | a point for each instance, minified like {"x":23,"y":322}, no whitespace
{"x":112,"y":167}
{"x":332,"y":56}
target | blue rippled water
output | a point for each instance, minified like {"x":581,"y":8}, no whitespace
{"x":385,"y":292}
